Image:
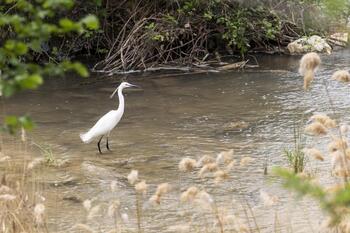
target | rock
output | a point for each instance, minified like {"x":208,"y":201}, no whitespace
{"x":236,"y":126}
{"x":309,"y":44}
{"x":73,"y":198}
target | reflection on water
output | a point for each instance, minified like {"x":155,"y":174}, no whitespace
{"x":171,"y":118}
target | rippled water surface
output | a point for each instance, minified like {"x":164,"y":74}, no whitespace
{"x":173,"y":117}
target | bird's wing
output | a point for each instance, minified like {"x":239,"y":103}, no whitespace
{"x":105,"y":124}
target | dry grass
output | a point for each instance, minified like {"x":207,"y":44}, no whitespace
{"x":308,"y":65}
{"x":22,"y":208}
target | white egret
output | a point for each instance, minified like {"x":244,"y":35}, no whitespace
{"x":106,"y":123}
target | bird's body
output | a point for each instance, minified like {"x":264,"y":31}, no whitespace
{"x":107,"y":122}
{"x":103,"y":126}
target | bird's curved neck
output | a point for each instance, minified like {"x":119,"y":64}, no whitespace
{"x":121,"y":99}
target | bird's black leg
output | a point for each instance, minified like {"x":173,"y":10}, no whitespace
{"x":107,"y":144}
{"x":98,"y":145}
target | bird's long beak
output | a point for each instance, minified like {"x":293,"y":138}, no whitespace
{"x":132,"y":85}
{"x":115,"y":91}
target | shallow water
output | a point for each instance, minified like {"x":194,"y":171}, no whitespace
{"x":171,"y":118}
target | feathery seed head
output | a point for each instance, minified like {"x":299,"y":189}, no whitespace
{"x":267,"y":199}
{"x":316,"y":129}
{"x":319,"y":118}
{"x":189,"y":194}
{"x":314,"y":153}
{"x":308,"y":65}
{"x":93,"y":212}
{"x":162,"y":189}
{"x":246,"y":161}
{"x":205,"y":197}
{"x":39,"y":210}
{"x":309,"y":62}
{"x":344,"y":129}
{"x":220,"y":176}
{"x":330,"y":123}
{"x":112,"y":208}
{"x":210,"y":167}
{"x":155,"y":199}
{"x":114,"y":186}
{"x":231,"y":165}
{"x":308,"y":78}
{"x":187,"y":164}
{"x":87,"y":204}
{"x":125,"y":218}
{"x":225,"y":157}
{"x":337,"y":144}
{"x":141,"y":187}
{"x":341,"y":75}
{"x":34,"y":163}
{"x":205,"y":160}
{"x":325,"y":120}
{"x":342,"y":172}
{"x":133,"y":177}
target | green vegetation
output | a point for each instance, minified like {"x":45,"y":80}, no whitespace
{"x":25,"y":56}
{"x":193,"y":31}
{"x":296,"y":157}
{"x":137,"y":35}
{"x":47,"y":153}
{"x":334,"y":201}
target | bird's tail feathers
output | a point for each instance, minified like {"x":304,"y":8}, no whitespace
{"x":86,"y":137}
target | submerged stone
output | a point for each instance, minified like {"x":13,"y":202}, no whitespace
{"x":236,"y":126}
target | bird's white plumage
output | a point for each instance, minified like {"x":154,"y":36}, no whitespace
{"x":108,"y":121}
{"x":103,"y":126}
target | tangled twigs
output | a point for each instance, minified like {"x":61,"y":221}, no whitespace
{"x":150,"y":35}
{"x":153,"y":40}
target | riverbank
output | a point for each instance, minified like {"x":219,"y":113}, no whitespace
{"x":150,"y":35}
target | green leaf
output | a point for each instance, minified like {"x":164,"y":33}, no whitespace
{"x":21,"y":48}
{"x":98,"y":2}
{"x":26,"y":122}
{"x":10,"y":45}
{"x":80,"y":69}
{"x":8,"y":90}
{"x":67,"y":24}
{"x":11,"y":120}
{"x":13,"y":123}
{"x":91,"y":22}
{"x":35,"y":45}
{"x":31,"y":82}
{"x":48,"y":4}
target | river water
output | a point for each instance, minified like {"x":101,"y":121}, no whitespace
{"x":169,"y":118}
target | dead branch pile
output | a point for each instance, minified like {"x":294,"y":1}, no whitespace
{"x":152,"y":33}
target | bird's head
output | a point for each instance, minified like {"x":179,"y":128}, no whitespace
{"x":122,"y":86}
